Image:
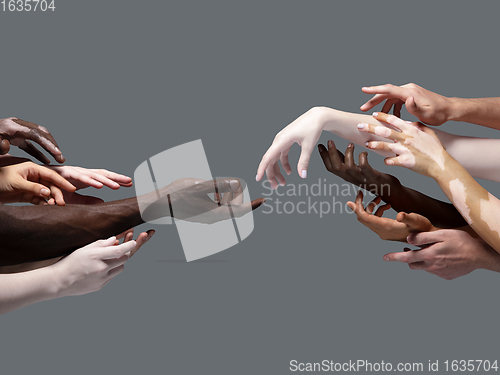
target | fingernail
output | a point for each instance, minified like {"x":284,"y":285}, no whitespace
{"x":375,"y":114}
{"x":361,"y":126}
{"x":386,"y":258}
{"x":234,"y":184}
{"x":304,"y":173}
{"x":45,"y":192}
{"x":409,"y":122}
{"x":367,"y":144}
{"x":330,"y":143}
{"x":350,"y":145}
{"x":256,"y":177}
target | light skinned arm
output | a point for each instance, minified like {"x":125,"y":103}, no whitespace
{"x":418,"y":149}
{"x":307,"y":129}
{"x":432,"y":108}
{"x":84,"y":271}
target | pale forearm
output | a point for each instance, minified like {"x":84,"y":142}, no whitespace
{"x":21,"y":289}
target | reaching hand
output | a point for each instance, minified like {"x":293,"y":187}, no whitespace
{"x":388,"y":229}
{"x":305,"y":131}
{"x":88,"y":269}
{"x":29,"y":182}
{"x":416,"y":145}
{"x":83,"y":178}
{"x":428,"y":107}
{"x":447,"y":253}
{"x":187,"y":199}
{"x":16,"y":132}
{"x":363,"y":175}
{"x":96,"y":178}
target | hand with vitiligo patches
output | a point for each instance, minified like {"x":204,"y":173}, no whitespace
{"x":20,"y":133}
{"x":415,"y":145}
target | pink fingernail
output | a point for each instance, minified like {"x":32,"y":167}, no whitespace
{"x":361,"y":126}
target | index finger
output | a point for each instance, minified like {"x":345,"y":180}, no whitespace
{"x":222,"y":185}
{"x":392,"y":120}
{"x":410,"y":256}
{"x":28,"y":147}
{"x":272,"y":154}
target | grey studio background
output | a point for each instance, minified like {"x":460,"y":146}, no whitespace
{"x":119,"y":81}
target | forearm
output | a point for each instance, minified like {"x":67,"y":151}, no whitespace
{"x":478,"y":207}
{"x":32,"y":233}
{"x":22,"y":289}
{"x":441,"y":214}
{"x":480,"y":111}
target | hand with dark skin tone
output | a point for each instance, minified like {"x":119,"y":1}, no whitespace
{"x":388,"y":187}
{"x":51,"y":231}
{"x":20,"y":133}
{"x":389,"y":229}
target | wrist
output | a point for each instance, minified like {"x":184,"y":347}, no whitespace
{"x":457,"y":109}
{"x":325,"y":117}
{"x":443,"y":175}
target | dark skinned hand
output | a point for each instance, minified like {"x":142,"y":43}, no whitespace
{"x":189,"y":201}
{"x":362,"y":175}
{"x":17,"y":132}
{"x":401,"y":198}
{"x":389,"y":229}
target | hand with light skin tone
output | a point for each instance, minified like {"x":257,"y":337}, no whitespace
{"x":127,"y":236}
{"x":418,"y":149}
{"x":80,"y":178}
{"x":447,"y":253}
{"x":32,"y":183}
{"x":434,"y":109}
{"x":51,"y":231}
{"x":388,"y":187}
{"x":307,"y":129}
{"x":20,"y":133}
{"x":84,"y":271}
{"x":385,"y":228}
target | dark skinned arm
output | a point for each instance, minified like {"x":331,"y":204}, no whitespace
{"x":34,"y":233}
{"x":389,"y":188}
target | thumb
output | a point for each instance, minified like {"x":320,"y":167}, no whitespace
{"x":305,"y":156}
{"x":415,"y":222}
{"x":34,"y":188}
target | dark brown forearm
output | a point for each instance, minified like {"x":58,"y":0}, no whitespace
{"x":32,"y":233}
{"x":441,"y":214}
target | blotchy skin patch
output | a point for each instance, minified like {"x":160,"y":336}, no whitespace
{"x":489,"y":212}
{"x":406,"y":158}
{"x":429,"y":146}
{"x":383,"y":131}
{"x":459,"y":198}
